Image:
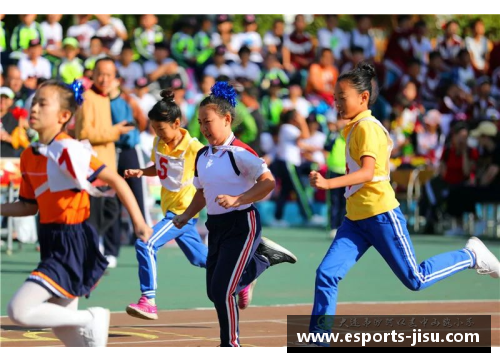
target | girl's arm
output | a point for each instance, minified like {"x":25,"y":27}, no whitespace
{"x":142,"y":230}
{"x":19,"y":208}
{"x":149,"y":171}
{"x":365,"y":174}
{"x":265,"y":184}
{"x":197,"y":204}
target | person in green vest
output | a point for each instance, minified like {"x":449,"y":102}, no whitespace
{"x":336,"y":162}
{"x":3,"y":43}
{"x":70,"y":67}
{"x":182,"y":44}
{"x":271,"y":105}
{"x":203,"y":48}
{"x":22,"y":34}
{"x":244,"y":126}
{"x":145,"y":37}
{"x":271,"y":71}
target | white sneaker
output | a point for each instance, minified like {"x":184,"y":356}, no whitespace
{"x":458,"y":231}
{"x":317,"y":220}
{"x":95,"y":334}
{"x":486,"y":262}
{"x":112,"y":261}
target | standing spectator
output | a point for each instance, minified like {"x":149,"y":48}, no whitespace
{"x":450,"y":44}
{"x":94,"y":123}
{"x":273,"y":39}
{"x":478,"y":46}
{"x":322,"y":77}
{"x":361,"y":37}
{"x":70,"y":67}
{"x":431,"y":81}
{"x":296,"y":101}
{"x":292,"y":129}
{"x":35,"y":65}
{"x":245,"y":68}
{"x":129,"y":70}
{"x":421,"y":44}
{"x":399,"y":49}
{"x":224,"y":36}
{"x":111,"y":31}
{"x":146,"y":36}
{"x":23,"y":33}
{"x":332,"y":37}
{"x":298,"y":48}
{"x":250,"y":39}
{"x":53,"y":34}
{"x":312,"y":147}
{"x":83,"y":32}
{"x":219,"y":67}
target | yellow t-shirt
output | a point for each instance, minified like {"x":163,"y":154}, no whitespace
{"x":177,"y":202}
{"x":374,"y":198}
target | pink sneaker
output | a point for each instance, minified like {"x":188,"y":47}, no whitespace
{"x":245,"y":295}
{"x":142,"y":309}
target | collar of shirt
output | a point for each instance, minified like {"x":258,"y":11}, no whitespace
{"x":363,"y":114}
{"x":228,"y":142}
{"x":181,"y":147}
{"x":97,"y":91}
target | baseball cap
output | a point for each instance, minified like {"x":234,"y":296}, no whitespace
{"x":220,"y":50}
{"x":34,"y":42}
{"x":276,"y":82}
{"x":73,"y":42}
{"x":485,"y":128}
{"x":176,"y":83}
{"x":249,"y":19}
{"x":141,"y":82}
{"x":6,"y":91}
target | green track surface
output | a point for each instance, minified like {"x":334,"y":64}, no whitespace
{"x":182,"y":286}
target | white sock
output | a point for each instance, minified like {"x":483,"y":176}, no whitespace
{"x":30,"y":308}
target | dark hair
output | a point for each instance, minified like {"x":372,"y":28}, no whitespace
{"x":66,"y":95}
{"x":277,"y":21}
{"x":474,"y":22}
{"x":434,"y":54}
{"x":287,"y":116}
{"x":362,"y":78}
{"x":222,"y":105}
{"x":325,"y":50}
{"x":452,"y":21}
{"x":413,"y":61}
{"x":462,"y":52}
{"x":403,"y":18}
{"x":420,"y":24}
{"x":104,"y":59}
{"x":244,"y":50}
{"x":357,"y":49}
{"x":165,"y":110}
{"x":95,"y":37}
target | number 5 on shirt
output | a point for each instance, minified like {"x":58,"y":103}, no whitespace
{"x":162,"y":172}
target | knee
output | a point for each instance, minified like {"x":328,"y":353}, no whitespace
{"x":17,"y":314}
{"x":413,"y":284}
{"x":141,"y":246}
{"x":325,"y":277}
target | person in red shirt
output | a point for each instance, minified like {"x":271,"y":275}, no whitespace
{"x":298,"y":48}
{"x":399,"y":49}
{"x":56,"y":176}
{"x":322,"y":77}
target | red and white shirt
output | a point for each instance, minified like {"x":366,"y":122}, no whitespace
{"x":230,"y":169}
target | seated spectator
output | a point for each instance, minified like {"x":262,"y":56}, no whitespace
{"x":70,"y":67}
{"x":219,"y":67}
{"x":203,"y":50}
{"x":14,"y":81}
{"x":53,"y":34}
{"x":12,"y":133}
{"x":141,"y":94}
{"x":495,"y":84}
{"x":245,"y":68}
{"x":224,"y":36}
{"x":112,"y":31}
{"x":428,"y":139}
{"x":23,"y":33}
{"x":463,"y":72}
{"x":250,"y":38}
{"x":146,"y":36}
{"x":322,"y":77}
{"x":272,"y":70}
{"x":182,"y":43}
{"x":296,"y":101}
{"x":271,"y":105}
{"x":478,"y":46}
{"x":96,"y":52}
{"x":484,"y":106}
{"x":312,"y":147}
{"x":356,"y":55}
{"x":453,"y":105}
{"x":420,"y":44}
{"x":333,"y":38}
{"x":250,"y":99}
{"x":298,"y":47}
{"x":34,"y":65}
{"x":128,"y":70}
{"x":431,"y":81}
{"x":161,"y":65}
{"x":83,"y":32}
{"x":399,"y":50}
{"x":273,"y":39}
{"x":450,"y":44}
{"x":361,"y":37}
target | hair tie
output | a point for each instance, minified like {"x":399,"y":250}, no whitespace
{"x":225,"y":91}
{"x":78,"y":89}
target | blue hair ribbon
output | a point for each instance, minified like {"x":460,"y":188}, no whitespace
{"x":225,"y":91}
{"x":77,"y":88}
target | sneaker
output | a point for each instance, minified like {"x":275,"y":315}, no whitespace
{"x":112,"y":261}
{"x":275,"y":253}
{"x":486,"y":262}
{"x":143,"y":309}
{"x":95,"y":334}
{"x":316,"y":220}
{"x":245,"y":295}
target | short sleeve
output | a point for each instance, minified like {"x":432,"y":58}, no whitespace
{"x":250,"y":166}
{"x":96,"y":166}
{"x":26,"y":192}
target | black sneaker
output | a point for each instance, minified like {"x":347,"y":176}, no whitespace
{"x":275,"y":253}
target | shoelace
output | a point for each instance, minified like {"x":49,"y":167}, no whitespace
{"x":484,"y":269}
